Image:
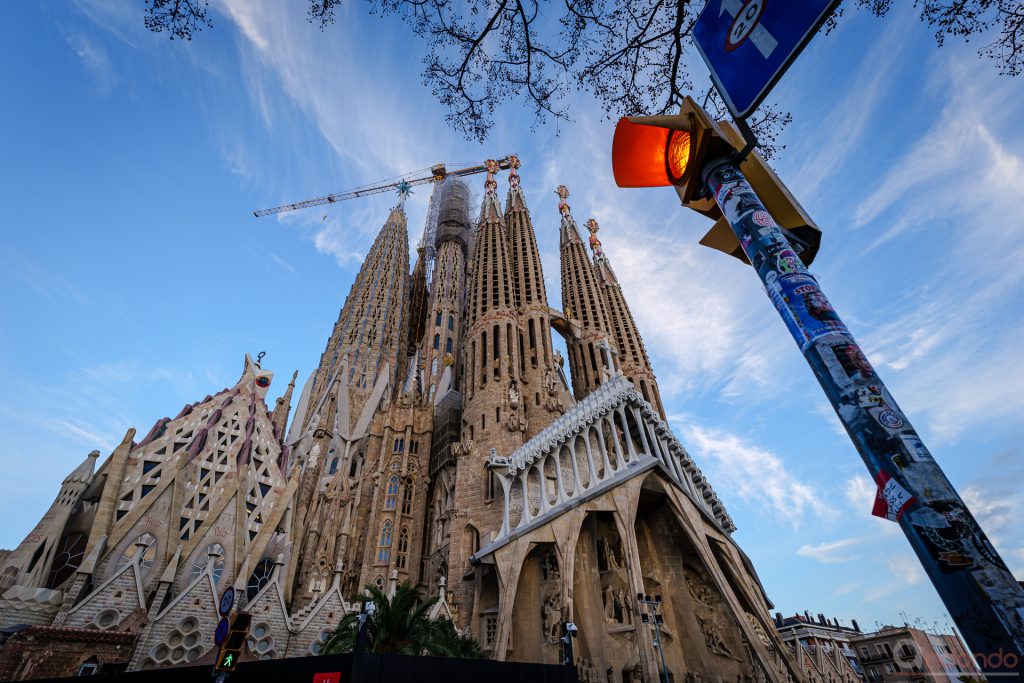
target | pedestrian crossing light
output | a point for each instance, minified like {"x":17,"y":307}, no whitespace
{"x":659,"y":151}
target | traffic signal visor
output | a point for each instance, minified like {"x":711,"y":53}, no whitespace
{"x":645,"y":154}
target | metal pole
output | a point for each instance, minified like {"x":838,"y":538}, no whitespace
{"x":652,"y":610}
{"x":979,"y":591}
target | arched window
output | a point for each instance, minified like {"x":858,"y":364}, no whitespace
{"x":448,"y":345}
{"x":437,"y":323}
{"x":433,"y":367}
{"x":334,"y":466}
{"x":384,"y":547}
{"x":391,"y":497}
{"x":437,"y":341}
{"x":451,"y":323}
{"x":68,"y":557}
{"x":407,"y":498}
{"x":402,"y":551}
{"x":259,"y":578}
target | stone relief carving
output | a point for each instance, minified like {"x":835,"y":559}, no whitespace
{"x":625,"y":607}
{"x":609,"y":604}
{"x":708,"y":612}
{"x":549,"y":566}
{"x":759,"y":630}
{"x":611,"y":560}
{"x":552,"y":618}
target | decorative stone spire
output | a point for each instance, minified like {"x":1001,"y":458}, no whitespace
{"x":536,"y":364}
{"x":417,"y":300}
{"x":370,"y":328}
{"x":633,"y":359}
{"x":583,"y":305}
{"x":279,"y":418}
{"x":83,"y":473}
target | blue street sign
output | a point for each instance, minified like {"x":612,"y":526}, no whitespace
{"x":749,"y":44}
{"x":222,"y":631}
{"x":227,"y":600}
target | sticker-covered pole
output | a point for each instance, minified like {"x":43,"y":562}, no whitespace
{"x":979,"y":591}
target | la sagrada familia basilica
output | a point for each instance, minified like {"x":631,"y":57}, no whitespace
{"x":442,"y":440}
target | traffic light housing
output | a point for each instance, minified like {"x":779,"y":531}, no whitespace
{"x":231,"y":648}
{"x":656,"y":151}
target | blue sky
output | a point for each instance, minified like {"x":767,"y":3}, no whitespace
{"x":135,"y":276}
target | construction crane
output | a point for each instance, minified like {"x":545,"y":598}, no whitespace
{"x":437,"y":173}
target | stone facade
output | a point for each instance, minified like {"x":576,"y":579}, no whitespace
{"x":437,"y":441}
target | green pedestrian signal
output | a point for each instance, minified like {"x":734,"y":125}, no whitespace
{"x":228,"y":660}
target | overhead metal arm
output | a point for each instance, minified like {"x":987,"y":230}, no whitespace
{"x":437,"y":173}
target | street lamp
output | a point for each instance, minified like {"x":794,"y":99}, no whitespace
{"x":653,"y":616}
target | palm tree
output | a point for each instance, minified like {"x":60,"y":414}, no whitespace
{"x":401,"y":625}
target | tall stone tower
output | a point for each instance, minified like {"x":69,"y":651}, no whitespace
{"x":536,"y":359}
{"x":442,"y":341}
{"x":633,"y":360}
{"x":369,"y":337}
{"x":358,"y":373}
{"x":583,"y":305}
{"x":492,"y":413}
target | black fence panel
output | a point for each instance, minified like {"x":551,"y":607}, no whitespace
{"x":367,"y":668}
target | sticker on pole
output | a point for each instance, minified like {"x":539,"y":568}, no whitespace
{"x":892,"y":500}
{"x":227,"y":600}
{"x":804,"y":307}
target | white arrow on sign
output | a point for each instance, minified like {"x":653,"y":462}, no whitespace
{"x":746,"y":23}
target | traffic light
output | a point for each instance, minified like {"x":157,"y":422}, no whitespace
{"x":231,"y":648}
{"x":657,"y":151}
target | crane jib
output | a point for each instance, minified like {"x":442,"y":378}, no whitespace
{"x":437,"y":172}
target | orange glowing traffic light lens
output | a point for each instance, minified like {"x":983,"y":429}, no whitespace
{"x":649,"y":156}
{"x":678,"y":154}
{"x":638,"y":155}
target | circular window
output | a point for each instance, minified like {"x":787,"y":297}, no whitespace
{"x":107,"y":618}
{"x":145,"y":544}
{"x":199,"y":566}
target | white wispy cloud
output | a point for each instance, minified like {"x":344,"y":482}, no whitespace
{"x":96,"y":61}
{"x":830,"y":553}
{"x":82,"y":433}
{"x":756,"y":476}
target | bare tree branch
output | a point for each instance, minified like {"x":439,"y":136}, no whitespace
{"x":631,"y":55}
{"x":180,"y":18}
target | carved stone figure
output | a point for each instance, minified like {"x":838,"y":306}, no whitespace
{"x":610,"y":560}
{"x":761,"y":635}
{"x":552,"y":619}
{"x":609,"y":604}
{"x":693,"y":677}
{"x":513,"y":394}
{"x":549,"y":566}
{"x":713,"y":637}
{"x":626,"y":606}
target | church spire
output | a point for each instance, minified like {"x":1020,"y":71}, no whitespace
{"x":583,"y":305}
{"x":536,"y":360}
{"x":369,"y":333}
{"x":279,"y":418}
{"x":633,"y":359}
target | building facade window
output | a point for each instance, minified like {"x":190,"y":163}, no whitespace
{"x":402,"y":550}
{"x":391,"y":496}
{"x":384,"y":547}
{"x":407,"y":498}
